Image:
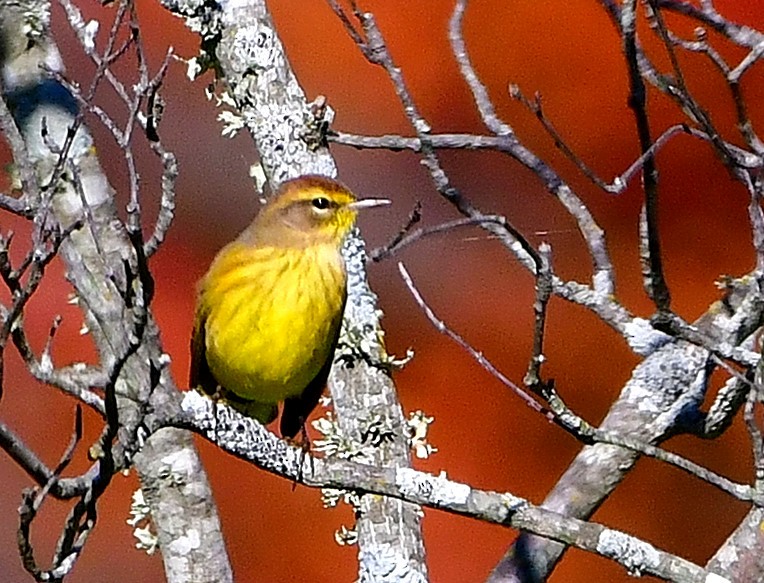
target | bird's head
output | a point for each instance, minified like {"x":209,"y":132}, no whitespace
{"x":311,"y":209}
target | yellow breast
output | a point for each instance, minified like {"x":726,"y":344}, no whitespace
{"x":273,"y":316}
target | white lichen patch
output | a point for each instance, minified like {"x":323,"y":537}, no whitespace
{"x":636,"y":556}
{"x":331,"y":497}
{"x":257,"y":174}
{"x":438,"y":490}
{"x":139,"y":509}
{"x":89,"y":34}
{"x":334,"y":442}
{"x":256,"y":46}
{"x":147,"y":539}
{"x":345,"y":536}
{"x":232,"y":123}
{"x":395,"y":362}
{"x":714,"y":578}
{"x":140,"y":520}
{"x":179,"y":463}
{"x":642,"y":338}
{"x":418,"y":425}
{"x":386,"y":565}
{"x":198,"y":406}
{"x":183,"y":545}
{"x":727,"y":556}
{"x":603,"y":282}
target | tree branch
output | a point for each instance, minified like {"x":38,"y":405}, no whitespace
{"x":248,"y":440}
{"x":289,"y":139}
{"x":55,"y":139}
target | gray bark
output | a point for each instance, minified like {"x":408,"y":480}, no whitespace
{"x":95,"y":257}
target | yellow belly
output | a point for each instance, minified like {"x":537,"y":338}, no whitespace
{"x":272,"y":318}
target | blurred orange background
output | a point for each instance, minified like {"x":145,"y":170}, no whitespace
{"x":568,"y":52}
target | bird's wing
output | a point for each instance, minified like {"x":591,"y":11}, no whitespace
{"x":200,"y":374}
{"x":297,"y":409}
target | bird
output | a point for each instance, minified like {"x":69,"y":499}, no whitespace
{"x":269,"y":308}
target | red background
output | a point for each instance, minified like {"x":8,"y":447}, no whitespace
{"x":571,"y":54}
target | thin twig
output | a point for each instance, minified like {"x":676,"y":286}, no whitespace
{"x":388,"y":250}
{"x":655,"y":282}
{"x":744,"y":36}
{"x":350,"y":28}
{"x":544,"y":288}
{"x":75,"y":381}
{"x":619,"y":183}
{"x":28,"y":460}
{"x":478,"y":356}
{"x":603,"y":279}
{"x":32,"y":501}
{"x":678,"y":88}
{"x":497,"y":221}
{"x":562,"y":415}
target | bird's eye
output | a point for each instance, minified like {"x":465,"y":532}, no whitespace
{"x":321,"y":203}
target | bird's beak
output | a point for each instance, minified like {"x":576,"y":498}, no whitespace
{"x":366,"y":203}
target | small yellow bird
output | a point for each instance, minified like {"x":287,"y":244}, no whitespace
{"x":269,"y":309}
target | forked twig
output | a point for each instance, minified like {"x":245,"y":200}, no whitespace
{"x":440,"y":325}
{"x":559,"y":413}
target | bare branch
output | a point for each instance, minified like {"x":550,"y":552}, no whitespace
{"x":103,"y":278}
{"x":23,"y":455}
{"x":248,"y":440}
{"x":495,"y":221}
{"x":655,"y":281}
{"x":544,"y":288}
{"x":556,"y":409}
{"x":603,"y":279}
{"x":289,"y":136}
{"x":389,"y":250}
{"x":478,"y":356}
{"x":620,"y":182}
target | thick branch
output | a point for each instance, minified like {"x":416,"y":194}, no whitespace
{"x":662,"y":396}
{"x":248,"y":440}
{"x":289,"y":139}
{"x":95,"y":258}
